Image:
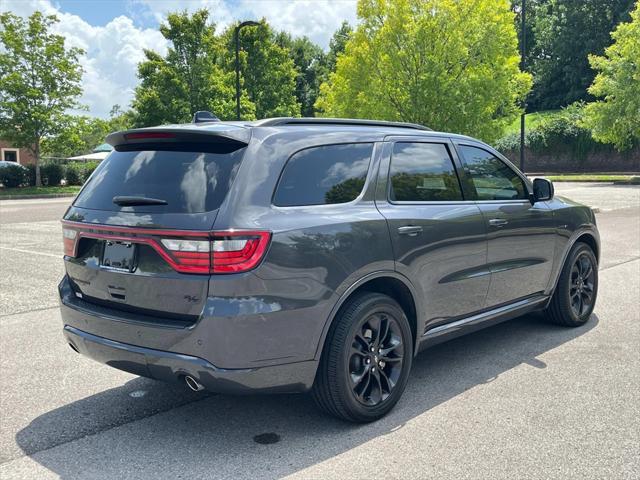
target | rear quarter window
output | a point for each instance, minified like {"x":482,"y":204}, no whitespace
{"x":322,"y":175}
{"x":190,"y":181}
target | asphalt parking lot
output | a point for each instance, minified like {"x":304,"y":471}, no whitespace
{"x":525,"y":399}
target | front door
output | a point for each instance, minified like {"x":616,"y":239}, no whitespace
{"x":521,"y":236}
{"x":438,"y":238}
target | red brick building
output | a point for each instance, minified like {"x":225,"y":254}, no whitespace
{"x":9,"y":153}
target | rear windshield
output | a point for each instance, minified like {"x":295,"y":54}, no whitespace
{"x":188,"y":181}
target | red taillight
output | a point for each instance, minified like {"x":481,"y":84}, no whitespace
{"x":188,"y":255}
{"x":187,"y":251}
{"x":234,"y":251}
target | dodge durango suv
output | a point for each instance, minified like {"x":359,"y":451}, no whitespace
{"x":294,"y":255}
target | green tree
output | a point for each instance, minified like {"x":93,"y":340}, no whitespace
{"x":616,"y":118}
{"x":309,"y":61}
{"x":189,"y":78}
{"x":79,"y":135}
{"x":39,"y":81}
{"x":560,"y":36}
{"x":445,"y":63}
{"x":337,"y":45}
{"x":267,"y":69}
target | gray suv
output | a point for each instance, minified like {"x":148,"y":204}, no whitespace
{"x":294,"y":255}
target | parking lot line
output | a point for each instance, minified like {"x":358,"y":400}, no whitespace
{"x":31,"y":251}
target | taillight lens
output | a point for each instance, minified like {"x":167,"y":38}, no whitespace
{"x":233,"y":251}
{"x":69,"y":236}
{"x":226,"y":252}
{"x":190,"y":256}
{"x":230,"y":251}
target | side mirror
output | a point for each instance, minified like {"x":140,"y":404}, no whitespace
{"x":542,"y":189}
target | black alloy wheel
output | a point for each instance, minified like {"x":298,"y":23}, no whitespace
{"x":366,"y":359}
{"x":376,"y":361}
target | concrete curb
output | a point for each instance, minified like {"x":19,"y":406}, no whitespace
{"x":35,"y":197}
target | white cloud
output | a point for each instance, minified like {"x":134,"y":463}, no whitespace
{"x":114,"y":50}
{"x":317,"y":19}
{"x":112,"y":54}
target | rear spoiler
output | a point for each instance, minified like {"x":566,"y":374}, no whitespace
{"x":216,"y":133}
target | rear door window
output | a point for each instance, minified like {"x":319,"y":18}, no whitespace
{"x":322,"y":175}
{"x":423,"y":172}
{"x":189,"y":181}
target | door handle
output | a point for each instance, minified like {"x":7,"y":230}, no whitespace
{"x":498,"y":222}
{"x":410,"y":230}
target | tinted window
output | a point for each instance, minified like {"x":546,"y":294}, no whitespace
{"x":322,"y":175}
{"x":491,"y":177}
{"x":423,"y":172}
{"x":190,"y":182}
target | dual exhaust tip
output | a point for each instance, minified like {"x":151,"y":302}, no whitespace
{"x":193,"y":384}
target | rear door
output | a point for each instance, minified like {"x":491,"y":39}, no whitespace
{"x":438,"y":236}
{"x":137,"y":235}
{"x":521,"y":236}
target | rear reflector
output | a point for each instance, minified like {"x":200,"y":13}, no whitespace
{"x":231,"y":251}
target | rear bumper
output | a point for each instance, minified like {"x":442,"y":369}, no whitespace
{"x":173,"y":367}
{"x":169,"y":353}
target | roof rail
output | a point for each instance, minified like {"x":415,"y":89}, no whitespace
{"x":272,"y":122}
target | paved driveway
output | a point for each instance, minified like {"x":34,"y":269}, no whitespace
{"x":524,"y":399}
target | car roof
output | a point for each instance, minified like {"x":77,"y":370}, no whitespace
{"x":240,"y":130}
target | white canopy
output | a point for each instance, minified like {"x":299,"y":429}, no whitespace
{"x":99,"y":156}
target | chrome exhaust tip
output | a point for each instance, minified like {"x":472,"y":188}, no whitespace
{"x":193,"y":384}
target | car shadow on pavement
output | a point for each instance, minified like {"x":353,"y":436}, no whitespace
{"x":218,"y":436}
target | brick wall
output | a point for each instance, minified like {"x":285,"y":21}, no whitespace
{"x":24,"y":156}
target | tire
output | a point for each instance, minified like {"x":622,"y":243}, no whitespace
{"x":577,"y":289}
{"x":357,"y":386}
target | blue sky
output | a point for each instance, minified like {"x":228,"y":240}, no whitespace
{"x":114,"y":33}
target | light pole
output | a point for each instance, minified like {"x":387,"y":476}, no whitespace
{"x":523,"y":44}
{"x":236,"y":33}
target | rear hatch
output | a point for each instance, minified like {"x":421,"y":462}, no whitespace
{"x":138,"y":236}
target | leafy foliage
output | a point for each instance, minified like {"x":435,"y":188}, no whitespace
{"x":188,"y":79}
{"x":77,"y":173}
{"x":558,"y":132}
{"x":39,"y":81}
{"x":268,"y":71}
{"x":309,"y":61}
{"x":448,"y":64}
{"x":52,"y":174}
{"x":12,"y":176}
{"x":81,"y":134}
{"x":616,"y":118}
{"x":560,"y":36}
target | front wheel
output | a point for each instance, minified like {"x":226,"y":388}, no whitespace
{"x":366,"y":360}
{"x":575,"y":296}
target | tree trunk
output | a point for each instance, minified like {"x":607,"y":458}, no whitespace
{"x":37,"y":159}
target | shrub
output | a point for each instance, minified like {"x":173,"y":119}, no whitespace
{"x":77,"y":173}
{"x":51,"y":174}
{"x":89,"y":167}
{"x":73,"y":173}
{"x":560,"y":132}
{"x":12,"y":176}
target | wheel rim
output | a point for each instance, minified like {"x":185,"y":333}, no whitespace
{"x":581,"y":288}
{"x":376,"y":358}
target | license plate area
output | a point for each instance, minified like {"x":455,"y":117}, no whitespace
{"x":117,"y":255}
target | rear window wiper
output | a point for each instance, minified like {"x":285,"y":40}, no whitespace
{"x":130,"y":201}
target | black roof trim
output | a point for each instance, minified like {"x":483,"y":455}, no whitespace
{"x":273,"y":122}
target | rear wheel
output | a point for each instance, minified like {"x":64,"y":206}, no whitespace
{"x":366,"y":360}
{"x":575,"y":296}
